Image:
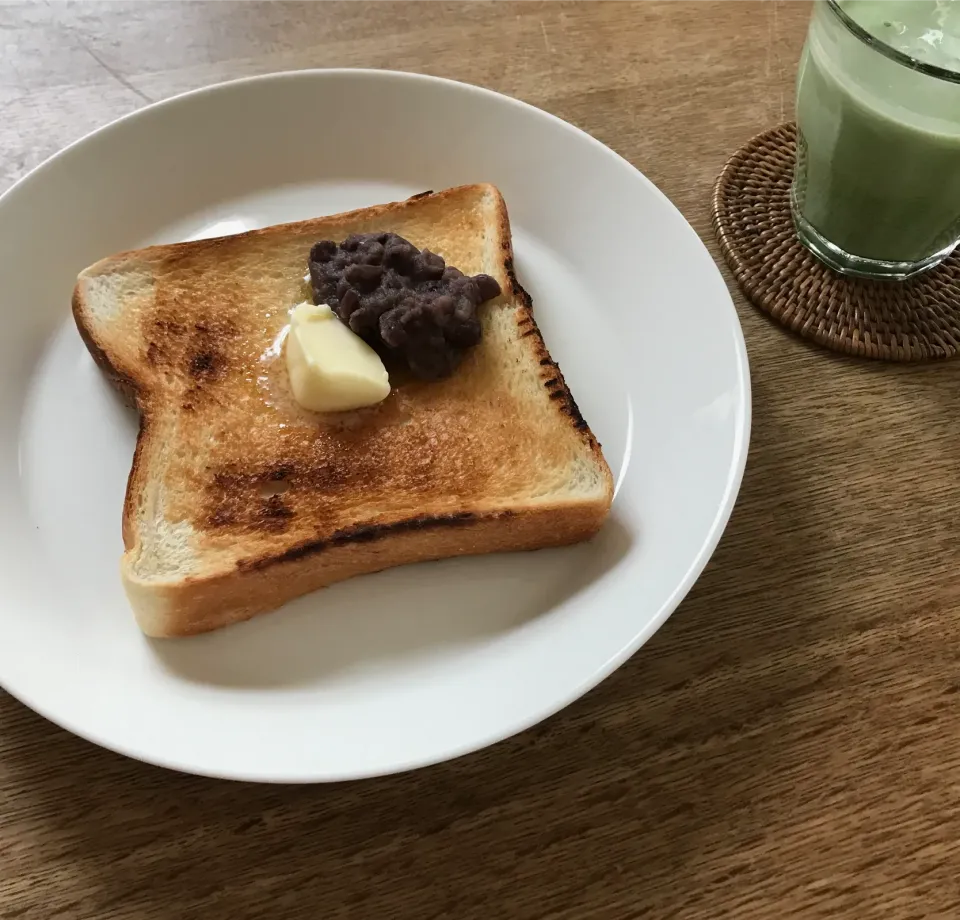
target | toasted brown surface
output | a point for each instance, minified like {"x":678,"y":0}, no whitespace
{"x":250,"y":482}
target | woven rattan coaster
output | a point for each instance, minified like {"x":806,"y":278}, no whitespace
{"x":891,"y":320}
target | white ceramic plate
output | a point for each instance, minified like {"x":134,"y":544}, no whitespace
{"x":416,"y":665}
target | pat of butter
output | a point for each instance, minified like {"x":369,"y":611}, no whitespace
{"x":331,"y":369}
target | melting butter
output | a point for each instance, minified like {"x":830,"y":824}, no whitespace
{"x":331,"y":369}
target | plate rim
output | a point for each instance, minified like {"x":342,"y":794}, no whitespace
{"x":743,"y":427}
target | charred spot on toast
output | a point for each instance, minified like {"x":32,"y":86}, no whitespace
{"x":554,"y":383}
{"x":222,"y":517}
{"x":560,"y":392}
{"x":516,"y":288}
{"x":205,"y":350}
{"x":571,"y":408}
{"x":364,"y":533}
{"x":251,"y":502}
{"x":272,"y":497}
{"x":274,"y":514}
{"x":319,"y":477}
{"x":204,"y":364}
{"x":193,"y":357}
{"x":189,"y":345}
{"x":425,"y":194}
{"x":270,"y":516}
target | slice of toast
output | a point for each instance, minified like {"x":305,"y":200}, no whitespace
{"x":239,"y":501}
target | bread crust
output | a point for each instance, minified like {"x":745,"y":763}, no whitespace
{"x":271,"y":560}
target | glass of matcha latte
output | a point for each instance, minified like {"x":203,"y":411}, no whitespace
{"x":876,"y":191}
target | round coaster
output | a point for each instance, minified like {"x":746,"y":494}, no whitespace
{"x":908,"y":320}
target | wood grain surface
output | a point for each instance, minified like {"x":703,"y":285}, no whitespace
{"x":788,"y":745}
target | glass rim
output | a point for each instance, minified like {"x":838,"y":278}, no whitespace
{"x":931,"y":70}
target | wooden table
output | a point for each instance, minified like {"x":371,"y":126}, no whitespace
{"x":787,"y":745}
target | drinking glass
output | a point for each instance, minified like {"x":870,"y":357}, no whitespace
{"x":876,"y":190}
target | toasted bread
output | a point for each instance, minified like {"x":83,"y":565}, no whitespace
{"x":239,"y":501}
